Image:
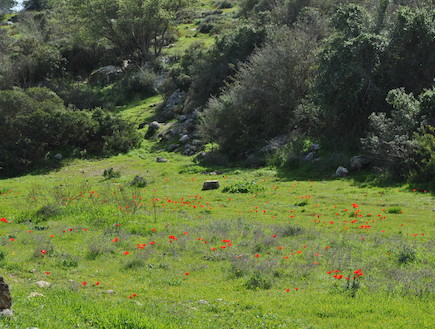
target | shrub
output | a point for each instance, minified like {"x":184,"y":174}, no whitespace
{"x":139,"y":181}
{"x":257,"y":281}
{"x":36,"y":123}
{"x":111,"y":173}
{"x":261,"y":103}
{"x":407,"y":255}
{"x":244,"y":187}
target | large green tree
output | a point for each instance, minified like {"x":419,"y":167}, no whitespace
{"x":138,"y":27}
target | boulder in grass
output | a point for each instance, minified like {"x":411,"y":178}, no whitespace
{"x":43,"y":284}
{"x":341,"y":172}
{"x":5,"y":295}
{"x":210,"y":185}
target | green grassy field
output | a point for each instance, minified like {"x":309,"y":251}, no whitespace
{"x":170,"y":255}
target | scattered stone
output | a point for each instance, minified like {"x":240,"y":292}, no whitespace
{"x":171,"y":147}
{"x":172,"y":105}
{"x":202,"y":301}
{"x":6,"y":312}
{"x":5,"y":295}
{"x":220,"y":299}
{"x":161,"y":159}
{"x":341,"y":172}
{"x":33,"y":270}
{"x":110,"y":292}
{"x":184,"y":139}
{"x":57,"y":156}
{"x":310,"y":156}
{"x":152,"y":129}
{"x":35,"y":294}
{"x":359,"y":162}
{"x":43,"y":284}
{"x":210,"y":185}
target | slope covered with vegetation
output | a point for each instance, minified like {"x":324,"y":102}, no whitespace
{"x":104,"y":225}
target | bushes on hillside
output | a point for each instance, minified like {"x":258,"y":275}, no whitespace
{"x":261,"y":103}
{"x":36,"y":124}
{"x":404,"y":140}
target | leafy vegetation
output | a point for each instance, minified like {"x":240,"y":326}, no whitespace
{"x":297,"y":86}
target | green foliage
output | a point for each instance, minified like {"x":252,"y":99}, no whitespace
{"x":37,"y":123}
{"x":244,"y":187}
{"x":261,"y":103}
{"x":111,"y":173}
{"x":392,"y":138}
{"x":139,"y":28}
{"x":407,"y":255}
{"x":139,"y":181}
{"x":210,"y":71}
{"x":346,"y":86}
{"x":258,"y":281}
{"x":408,"y":59}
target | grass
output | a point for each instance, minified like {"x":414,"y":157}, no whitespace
{"x":166,"y":254}
{"x":209,"y":259}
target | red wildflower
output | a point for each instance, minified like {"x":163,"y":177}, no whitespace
{"x":257,"y":255}
{"x":84,"y":283}
{"x":126,"y":253}
{"x":115,"y":240}
{"x":4,"y":220}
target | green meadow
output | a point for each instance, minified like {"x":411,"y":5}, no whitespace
{"x":158,"y":252}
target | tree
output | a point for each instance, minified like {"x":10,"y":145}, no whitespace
{"x":5,"y":6}
{"x":346,"y":85}
{"x":138,"y":27}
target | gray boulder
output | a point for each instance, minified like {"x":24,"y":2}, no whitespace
{"x":184,"y":139}
{"x":5,"y":295}
{"x":161,"y":159}
{"x":152,"y":129}
{"x":359,"y":162}
{"x":341,"y":172}
{"x":172,"y":105}
{"x":210,"y":185}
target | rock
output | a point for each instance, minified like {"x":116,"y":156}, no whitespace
{"x":110,"y":292}
{"x":210,"y":185}
{"x":341,"y":172}
{"x":359,"y":162}
{"x":57,"y":156}
{"x":35,"y":294}
{"x":172,"y":105}
{"x":171,"y":147}
{"x":196,"y":142}
{"x":310,"y":156}
{"x":183,"y":117}
{"x":161,"y":159}
{"x":152,"y":129}
{"x":184,"y":139}
{"x":106,"y":74}
{"x":315,"y":148}
{"x":43,"y":284}
{"x":5,"y":295}
{"x":6,"y":312}
{"x":142,"y":125}
{"x":202,"y":301}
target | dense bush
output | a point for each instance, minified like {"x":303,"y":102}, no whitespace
{"x":261,"y":103}
{"x":404,"y":140}
{"x":210,"y":71}
{"x":36,"y":124}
